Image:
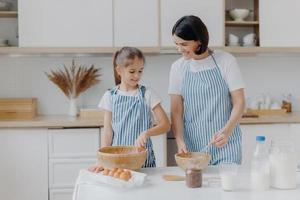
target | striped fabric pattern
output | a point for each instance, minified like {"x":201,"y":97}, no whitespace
{"x":130,"y":117}
{"x":207,"y":108}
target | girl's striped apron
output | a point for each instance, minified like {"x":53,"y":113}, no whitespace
{"x":130,"y":117}
{"x":207,"y":108}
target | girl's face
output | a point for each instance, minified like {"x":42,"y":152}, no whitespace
{"x":186,"y":47}
{"x":131,"y":74}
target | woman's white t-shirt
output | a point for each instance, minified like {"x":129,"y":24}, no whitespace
{"x":151,"y":98}
{"x":225,"y":61}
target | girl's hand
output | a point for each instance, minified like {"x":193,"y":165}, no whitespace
{"x":181,"y":147}
{"x":220,"y":138}
{"x":96,"y":168}
{"x":141,"y":140}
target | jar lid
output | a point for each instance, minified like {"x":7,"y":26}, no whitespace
{"x":260,"y":138}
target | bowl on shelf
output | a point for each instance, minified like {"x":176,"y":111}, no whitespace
{"x":127,"y":157}
{"x":239,"y":14}
{"x":192,"y":160}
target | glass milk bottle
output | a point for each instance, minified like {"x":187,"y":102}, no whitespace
{"x":260,"y":165}
{"x":283,"y":164}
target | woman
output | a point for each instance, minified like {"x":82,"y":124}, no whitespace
{"x":207,"y":95}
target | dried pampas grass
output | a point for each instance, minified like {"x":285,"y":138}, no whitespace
{"x":75,"y":80}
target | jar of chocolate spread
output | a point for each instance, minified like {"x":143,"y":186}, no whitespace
{"x":193,"y":178}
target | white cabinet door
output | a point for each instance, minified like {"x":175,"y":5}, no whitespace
{"x":136,"y":23}
{"x":74,"y":143}
{"x":249,"y":132}
{"x":160,"y":149}
{"x":278,"y":23}
{"x":295,"y":134}
{"x":211,"y":12}
{"x":29,"y":19}
{"x":24,"y":164}
{"x":66,"y":23}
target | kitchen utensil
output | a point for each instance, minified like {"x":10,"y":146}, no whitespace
{"x":205,"y":149}
{"x":171,"y":177}
{"x":126,"y":157}
{"x":239,"y":14}
{"x":192,"y":160}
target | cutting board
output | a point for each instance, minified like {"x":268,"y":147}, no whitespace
{"x":18,"y":108}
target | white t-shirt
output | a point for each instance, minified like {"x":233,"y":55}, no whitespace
{"x":151,"y":98}
{"x":226,"y":62}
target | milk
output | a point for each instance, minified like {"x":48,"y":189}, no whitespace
{"x":260,"y":180}
{"x":283,"y":170}
{"x":228,"y":181}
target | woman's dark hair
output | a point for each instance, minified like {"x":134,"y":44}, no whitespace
{"x":192,"y":28}
{"x":125,"y":57}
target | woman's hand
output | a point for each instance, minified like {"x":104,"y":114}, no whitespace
{"x":141,"y":140}
{"x":181,"y":147}
{"x":221,"y":138}
{"x":95,"y":168}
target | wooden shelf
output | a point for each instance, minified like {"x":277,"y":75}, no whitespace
{"x":8,"y":14}
{"x":67,"y":50}
{"x":243,"y":23}
{"x":244,"y":50}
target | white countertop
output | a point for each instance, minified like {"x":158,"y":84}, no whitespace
{"x":157,"y":188}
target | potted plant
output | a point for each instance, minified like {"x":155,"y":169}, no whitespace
{"x":73,"y":81}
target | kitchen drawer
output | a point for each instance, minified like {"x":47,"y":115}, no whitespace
{"x":73,"y":143}
{"x":60,"y":194}
{"x":63,"y":172}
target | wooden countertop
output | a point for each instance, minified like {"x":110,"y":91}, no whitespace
{"x":52,"y":121}
{"x":60,"y":121}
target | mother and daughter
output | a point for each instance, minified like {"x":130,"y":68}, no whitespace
{"x":207,"y":99}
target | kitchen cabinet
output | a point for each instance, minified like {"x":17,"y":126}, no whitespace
{"x":211,"y":12}
{"x":295,"y":135}
{"x":241,"y":28}
{"x":24,"y":164}
{"x":138,"y":25}
{"x":271,"y":131}
{"x":65,"y":23}
{"x":70,"y":150}
{"x":277,"y":23}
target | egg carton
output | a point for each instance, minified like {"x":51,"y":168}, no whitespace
{"x":90,"y":178}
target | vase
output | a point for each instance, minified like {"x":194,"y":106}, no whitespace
{"x":73,"y":107}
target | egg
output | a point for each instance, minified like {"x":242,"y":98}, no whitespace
{"x":117,"y":174}
{"x":120,"y":170}
{"x":111,"y":173}
{"x":114,"y":169}
{"x":129,"y":174}
{"x":124,"y":176}
{"x":105,"y":172}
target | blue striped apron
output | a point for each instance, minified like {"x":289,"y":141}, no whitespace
{"x":207,"y":108}
{"x":130,"y":117}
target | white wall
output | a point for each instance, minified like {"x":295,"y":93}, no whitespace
{"x":24,"y":77}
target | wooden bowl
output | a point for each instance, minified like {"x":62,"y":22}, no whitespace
{"x":192,"y":160}
{"x":127,"y":157}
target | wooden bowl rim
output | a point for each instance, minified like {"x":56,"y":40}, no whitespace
{"x":142,"y":152}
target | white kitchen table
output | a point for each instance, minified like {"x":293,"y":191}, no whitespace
{"x":157,"y":188}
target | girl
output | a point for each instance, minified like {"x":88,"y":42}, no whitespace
{"x":207,"y":95}
{"x":128,"y":106}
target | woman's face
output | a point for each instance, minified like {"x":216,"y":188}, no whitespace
{"x":186,"y":47}
{"x":131,"y":75}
